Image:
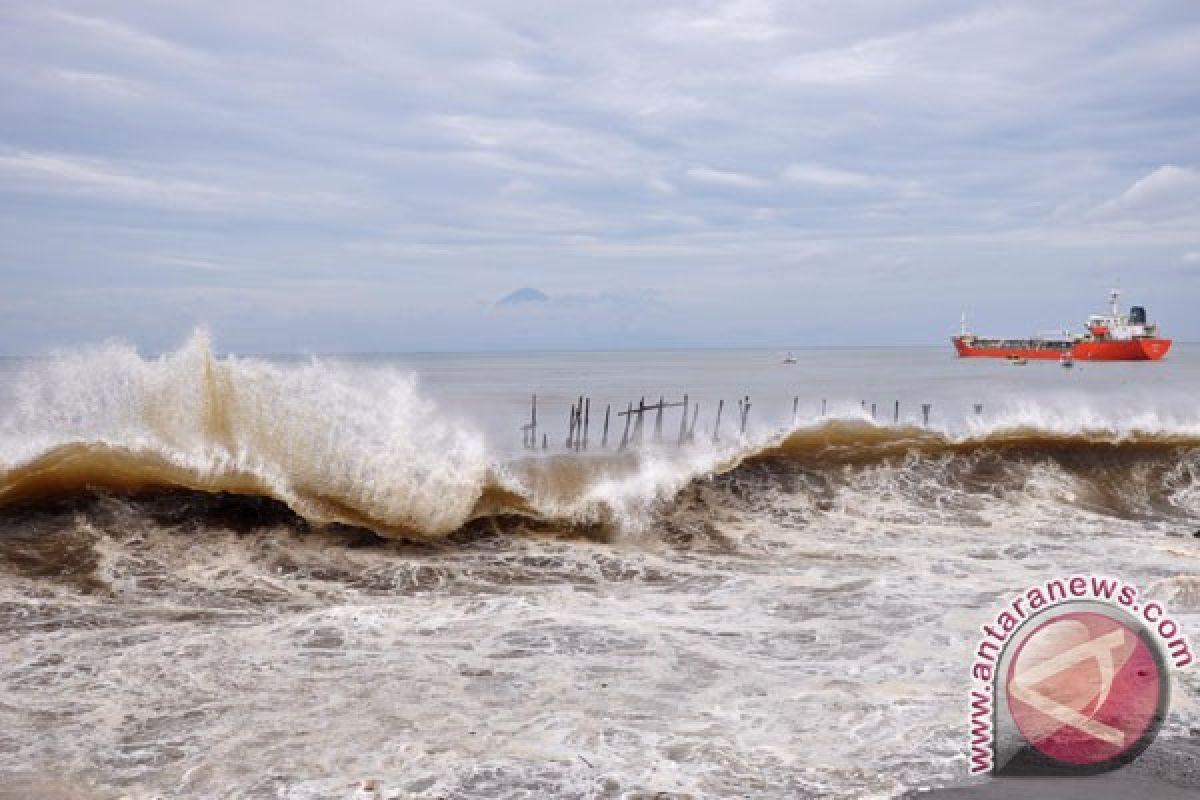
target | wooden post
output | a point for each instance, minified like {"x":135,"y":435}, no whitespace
{"x":604,"y":438}
{"x":658,"y":419}
{"x":745,"y":406}
{"x":625,"y":433}
{"x":823,"y":403}
{"x":543,"y":441}
{"x":578,"y":422}
{"x":692,"y":429}
{"x":979,"y":408}
{"x":872,"y":411}
{"x":896,"y":413}
{"x":637,"y":428}
{"x":795,"y":409}
{"x":533,"y":422}
{"x":683,"y":423}
{"x":717,"y":426}
{"x":571,"y":427}
{"x":587,"y":412}
{"x":925,"y":412}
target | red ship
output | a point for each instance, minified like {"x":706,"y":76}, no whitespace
{"x":1108,"y":337}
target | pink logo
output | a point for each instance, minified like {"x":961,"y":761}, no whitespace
{"x":1084,"y":688}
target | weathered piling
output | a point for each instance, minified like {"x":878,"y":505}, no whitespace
{"x":625,"y":433}
{"x":578,"y":422}
{"x":529,"y":430}
{"x":587,"y":412}
{"x":638,"y":427}
{"x":578,"y":436}
{"x":533,"y":421}
{"x":683,"y":423}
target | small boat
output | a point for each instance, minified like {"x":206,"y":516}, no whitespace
{"x":789,"y":359}
{"x":1016,"y":360}
{"x":1066,"y":361}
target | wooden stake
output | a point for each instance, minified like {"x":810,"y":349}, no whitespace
{"x":896,"y":413}
{"x":587,"y":412}
{"x":683,"y":423}
{"x":637,"y":428}
{"x":578,"y":425}
{"x":925,"y":412}
{"x":717,"y":426}
{"x":692,"y":429}
{"x":604,"y":438}
{"x":625,"y":433}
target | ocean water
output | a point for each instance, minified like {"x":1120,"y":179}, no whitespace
{"x":281,"y":577}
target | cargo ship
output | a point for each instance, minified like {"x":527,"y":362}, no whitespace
{"x":1107,"y":337}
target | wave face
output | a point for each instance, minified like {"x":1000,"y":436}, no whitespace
{"x":358,"y":445}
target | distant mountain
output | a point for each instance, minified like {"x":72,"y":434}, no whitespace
{"x":522,"y":296}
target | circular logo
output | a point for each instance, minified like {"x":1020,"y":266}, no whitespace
{"x":1087,"y":689}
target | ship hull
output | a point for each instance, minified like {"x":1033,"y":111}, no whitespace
{"x":1124,"y":350}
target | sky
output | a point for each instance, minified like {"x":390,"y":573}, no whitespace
{"x":377,"y":176}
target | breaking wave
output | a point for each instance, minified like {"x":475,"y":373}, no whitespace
{"x":360,"y":446}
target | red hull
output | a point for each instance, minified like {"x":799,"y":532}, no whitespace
{"x":1125,"y":350}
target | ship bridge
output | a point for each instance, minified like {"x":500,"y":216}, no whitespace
{"x":1115,"y":325}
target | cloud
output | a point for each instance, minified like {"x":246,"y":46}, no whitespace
{"x":147,"y":185}
{"x":828,"y":177}
{"x":53,"y":172}
{"x":720,"y":177}
{"x":435,"y":157}
{"x":1168,"y":191}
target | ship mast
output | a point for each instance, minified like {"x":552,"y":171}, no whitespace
{"x":1112,"y":298}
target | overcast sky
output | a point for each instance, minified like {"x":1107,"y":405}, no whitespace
{"x":377,"y":175}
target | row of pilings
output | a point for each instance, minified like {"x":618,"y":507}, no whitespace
{"x":633,"y":426}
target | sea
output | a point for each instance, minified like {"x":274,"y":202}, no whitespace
{"x":351,"y":575}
